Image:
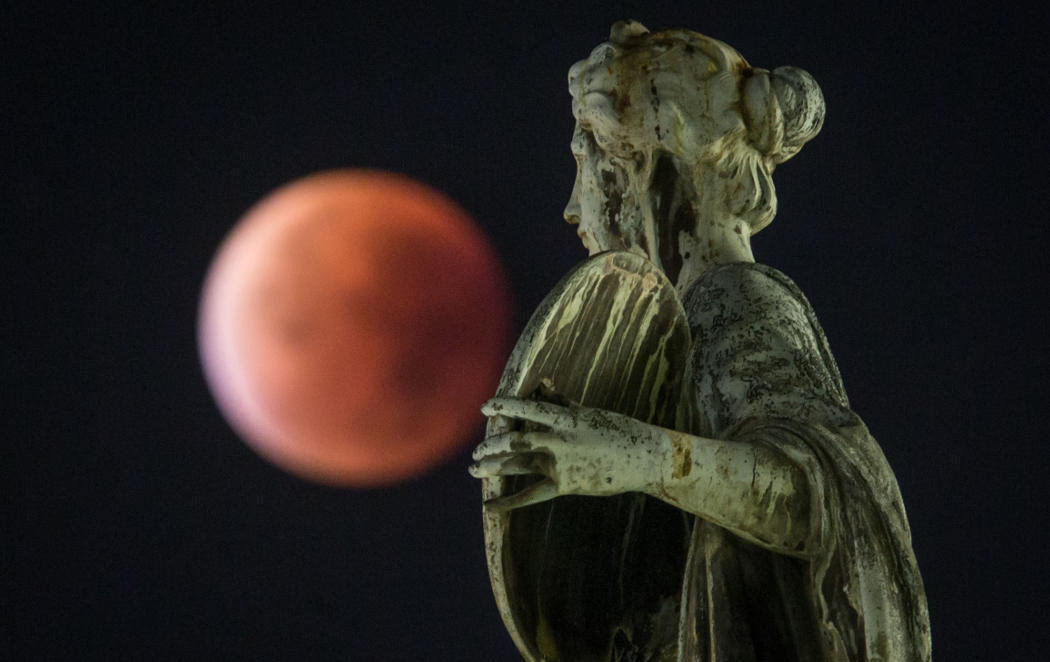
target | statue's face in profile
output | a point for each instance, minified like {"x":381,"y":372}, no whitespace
{"x":637,"y":95}
{"x":596,"y":203}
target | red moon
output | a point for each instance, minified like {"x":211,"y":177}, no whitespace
{"x":351,"y":325}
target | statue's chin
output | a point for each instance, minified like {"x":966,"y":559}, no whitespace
{"x":588,"y":244}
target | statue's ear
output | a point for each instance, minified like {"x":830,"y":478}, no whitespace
{"x":783,"y":110}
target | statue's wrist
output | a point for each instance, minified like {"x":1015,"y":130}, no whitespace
{"x":673,"y":458}
{"x":656,"y":465}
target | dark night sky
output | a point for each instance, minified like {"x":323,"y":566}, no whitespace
{"x":141,"y":526}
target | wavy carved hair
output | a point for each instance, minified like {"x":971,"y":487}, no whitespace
{"x":782,"y":110}
{"x":779,"y":111}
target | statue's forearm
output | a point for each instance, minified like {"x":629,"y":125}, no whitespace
{"x":745,"y":487}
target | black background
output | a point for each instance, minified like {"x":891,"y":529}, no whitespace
{"x":141,"y":527}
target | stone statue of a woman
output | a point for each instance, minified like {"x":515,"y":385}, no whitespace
{"x":798,"y":546}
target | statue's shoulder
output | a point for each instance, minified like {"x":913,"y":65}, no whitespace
{"x":743,"y":288}
{"x":735,"y":310}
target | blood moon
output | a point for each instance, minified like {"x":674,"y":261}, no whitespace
{"x":351,"y":325}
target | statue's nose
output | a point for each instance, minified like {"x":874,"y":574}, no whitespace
{"x":603,"y":52}
{"x":571,"y":214}
{"x":574,"y":74}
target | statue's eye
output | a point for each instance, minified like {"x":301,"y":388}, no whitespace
{"x":582,"y":141}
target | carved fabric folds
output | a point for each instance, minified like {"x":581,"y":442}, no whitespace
{"x":763,"y":373}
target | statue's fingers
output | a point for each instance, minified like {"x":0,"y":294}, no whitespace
{"x":603,"y":419}
{"x":517,"y":464}
{"x":545,"y":490}
{"x":543,"y":413}
{"x":515,"y":442}
{"x":499,"y":444}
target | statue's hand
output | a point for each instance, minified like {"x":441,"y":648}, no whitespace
{"x":583,"y":451}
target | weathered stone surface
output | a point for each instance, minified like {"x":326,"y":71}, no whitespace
{"x":742,"y":511}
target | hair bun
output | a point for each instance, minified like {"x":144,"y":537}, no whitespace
{"x":763,"y":116}
{"x":802,"y":106}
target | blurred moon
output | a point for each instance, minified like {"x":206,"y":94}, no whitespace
{"x":351,"y":325}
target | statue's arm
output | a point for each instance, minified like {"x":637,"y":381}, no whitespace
{"x":747,"y":487}
{"x":758,"y":357}
{"x":743,"y":486}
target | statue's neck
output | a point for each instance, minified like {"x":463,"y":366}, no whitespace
{"x":716,"y":242}
{"x":683,"y":223}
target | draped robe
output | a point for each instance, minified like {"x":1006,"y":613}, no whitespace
{"x":763,"y":374}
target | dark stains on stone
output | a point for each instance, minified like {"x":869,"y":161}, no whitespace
{"x":643,"y":243}
{"x":684,"y":221}
{"x":672,"y":213}
{"x":614,"y":203}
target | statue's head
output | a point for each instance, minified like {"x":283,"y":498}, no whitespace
{"x":694,"y":102}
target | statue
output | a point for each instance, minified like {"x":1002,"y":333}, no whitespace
{"x":751,"y":518}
